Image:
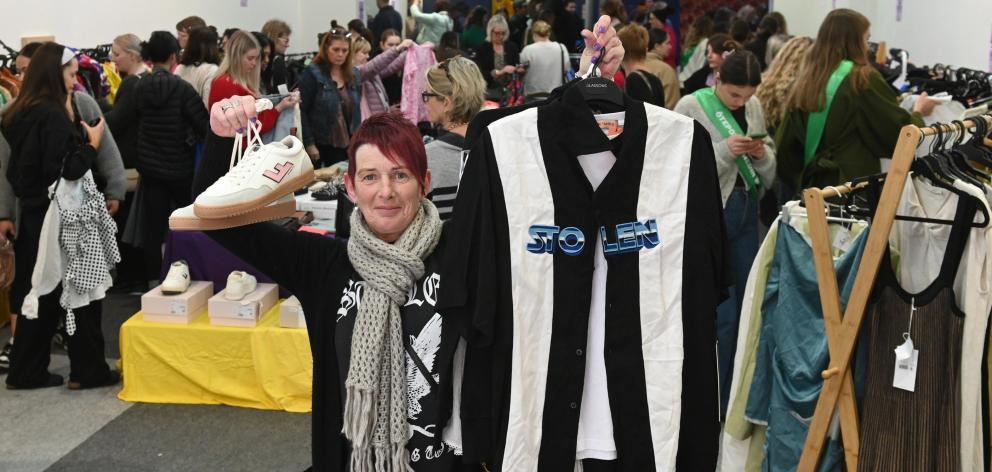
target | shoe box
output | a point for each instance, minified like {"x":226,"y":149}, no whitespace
{"x":246,"y":312}
{"x":291,"y":314}
{"x":321,"y":209}
{"x":181,"y":308}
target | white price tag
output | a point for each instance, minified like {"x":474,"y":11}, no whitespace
{"x":842,"y":242}
{"x":905,"y":372}
{"x":248,"y":311}
{"x":177,"y":308}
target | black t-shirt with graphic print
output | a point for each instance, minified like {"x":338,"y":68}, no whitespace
{"x":429,"y":345}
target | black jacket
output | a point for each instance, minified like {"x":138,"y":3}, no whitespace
{"x":40,"y":139}
{"x":173,"y":120}
{"x":696,"y":81}
{"x":486,"y":60}
{"x":123,"y":119}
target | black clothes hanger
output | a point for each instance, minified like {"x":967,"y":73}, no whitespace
{"x":600,"y":91}
{"x":862,"y":201}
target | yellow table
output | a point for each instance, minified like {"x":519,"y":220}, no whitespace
{"x":266,"y":367}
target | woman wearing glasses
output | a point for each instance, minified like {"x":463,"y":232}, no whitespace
{"x":454,"y":94}
{"x":330,"y":92}
{"x":497,"y":57}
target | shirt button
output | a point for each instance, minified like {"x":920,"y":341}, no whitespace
{"x":578,"y":352}
{"x":573,"y":405}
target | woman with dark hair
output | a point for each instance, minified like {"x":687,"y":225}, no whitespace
{"x":172,"y":120}
{"x":767,"y":28}
{"x":616,"y":11}
{"x":200,"y":61}
{"x":861,"y":124}
{"x":475,"y":29}
{"x":659,"y":51}
{"x":264,"y":60}
{"x":49,"y":141}
{"x":745,"y":163}
{"x":449,"y":46}
{"x":717,"y":47}
{"x":330,"y":93}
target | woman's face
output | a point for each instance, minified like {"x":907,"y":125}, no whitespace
{"x":665,"y":48}
{"x":250,"y":59}
{"x":69,"y":75}
{"x":714,"y":59}
{"x":266,"y":57}
{"x":655,"y":22}
{"x":282,"y":44}
{"x":734,"y":96}
{"x":124,"y":60}
{"x":391,"y":41}
{"x":867,"y":37}
{"x":183,"y":37}
{"x":387,"y":193}
{"x":438,"y":108}
{"x":337,"y":52}
{"x":497,"y":35}
{"x":361,"y":57}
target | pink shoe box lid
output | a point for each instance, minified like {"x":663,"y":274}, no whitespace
{"x":252,"y":307}
{"x":182,"y":305}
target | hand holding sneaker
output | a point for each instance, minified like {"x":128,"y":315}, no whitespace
{"x":232,"y":114}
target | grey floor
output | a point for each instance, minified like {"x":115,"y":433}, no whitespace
{"x":56,"y":429}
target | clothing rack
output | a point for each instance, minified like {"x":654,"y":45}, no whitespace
{"x":842,"y":334}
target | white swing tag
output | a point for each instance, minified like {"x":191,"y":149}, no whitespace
{"x":842,"y":241}
{"x":905,"y":373}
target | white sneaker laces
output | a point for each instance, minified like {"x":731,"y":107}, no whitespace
{"x":243,"y":163}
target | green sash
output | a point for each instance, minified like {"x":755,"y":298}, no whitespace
{"x":728,"y":126}
{"x":818,"y":120}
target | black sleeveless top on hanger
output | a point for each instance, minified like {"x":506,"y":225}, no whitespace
{"x":916,"y":431}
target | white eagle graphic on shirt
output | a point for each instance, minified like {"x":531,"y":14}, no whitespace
{"x":425,"y":345}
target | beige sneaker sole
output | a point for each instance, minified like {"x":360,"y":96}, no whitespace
{"x":266,"y":213}
{"x":225,"y":211}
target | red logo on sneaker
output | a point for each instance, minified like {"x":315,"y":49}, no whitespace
{"x":279,"y":171}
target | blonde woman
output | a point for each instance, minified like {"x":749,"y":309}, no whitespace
{"x":388,"y":62}
{"x":497,"y":57}
{"x":239,"y":74}
{"x":546,"y":62}
{"x":454,"y":93}
{"x":277,"y":74}
{"x":779,"y":79}
{"x":125,"y":52}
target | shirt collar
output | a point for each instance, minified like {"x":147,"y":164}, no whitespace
{"x":580,"y":133}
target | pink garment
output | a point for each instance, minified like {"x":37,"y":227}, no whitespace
{"x":374,"y":99}
{"x":419,"y":59}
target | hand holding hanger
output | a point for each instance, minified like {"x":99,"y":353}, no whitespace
{"x":602,"y":38}
{"x":924,"y":104}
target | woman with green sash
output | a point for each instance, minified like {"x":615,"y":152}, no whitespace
{"x":745,"y":163}
{"x":842,"y":116}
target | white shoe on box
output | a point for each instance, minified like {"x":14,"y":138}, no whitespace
{"x":185,"y":219}
{"x":177,"y":280}
{"x":266,"y":173}
{"x":239,"y":284}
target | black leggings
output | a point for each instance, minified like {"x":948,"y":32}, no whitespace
{"x":159,"y":199}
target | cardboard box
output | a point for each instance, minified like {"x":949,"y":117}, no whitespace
{"x":246,"y":312}
{"x":291,"y":314}
{"x":321,"y":209}
{"x":182,"y":308}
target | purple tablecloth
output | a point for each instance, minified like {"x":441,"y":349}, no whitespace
{"x":207,"y":260}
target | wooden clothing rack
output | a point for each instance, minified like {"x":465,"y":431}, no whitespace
{"x":842,"y":333}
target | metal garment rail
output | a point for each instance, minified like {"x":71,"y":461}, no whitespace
{"x":842,"y":334}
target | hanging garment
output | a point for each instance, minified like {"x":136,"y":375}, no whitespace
{"x":915,"y":429}
{"x":418,"y":60}
{"x":793,"y":349}
{"x":525,"y":267}
{"x":924,"y":247}
{"x":77,"y":248}
{"x":113,"y":80}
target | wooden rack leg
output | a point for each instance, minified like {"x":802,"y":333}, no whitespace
{"x":830,"y":301}
{"x":878,"y":240}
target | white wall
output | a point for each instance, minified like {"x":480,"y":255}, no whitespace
{"x":955,"y":32}
{"x":93,"y":22}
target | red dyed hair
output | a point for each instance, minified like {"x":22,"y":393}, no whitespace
{"x":397,"y":139}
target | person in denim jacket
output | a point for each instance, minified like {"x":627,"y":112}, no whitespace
{"x":330,"y":90}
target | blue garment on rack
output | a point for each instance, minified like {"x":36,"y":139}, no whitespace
{"x":793,"y":351}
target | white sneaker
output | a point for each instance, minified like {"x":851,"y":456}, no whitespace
{"x":239,"y":284}
{"x":266,"y":173}
{"x":177,"y":280}
{"x":185,"y":219}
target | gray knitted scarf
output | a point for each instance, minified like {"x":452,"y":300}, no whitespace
{"x":375,"y":411}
